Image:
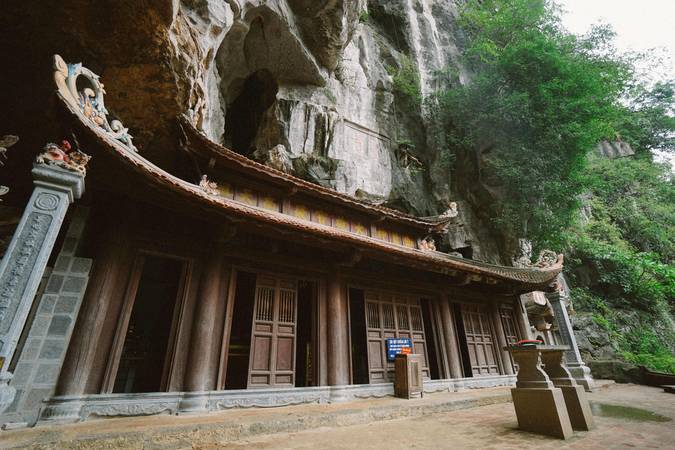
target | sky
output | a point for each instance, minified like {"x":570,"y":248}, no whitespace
{"x":640,"y":25}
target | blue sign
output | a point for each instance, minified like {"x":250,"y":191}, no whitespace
{"x":398,"y":345}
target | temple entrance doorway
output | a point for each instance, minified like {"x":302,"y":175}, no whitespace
{"x":148,"y":325}
{"x":389,"y":315}
{"x":479,"y":340}
{"x":273,"y":333}
{"x":239,"y":346}
{"x":305,"y":361}
{"x":357,"y":328}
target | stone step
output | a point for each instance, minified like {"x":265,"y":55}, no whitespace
{"x":166,"y":431}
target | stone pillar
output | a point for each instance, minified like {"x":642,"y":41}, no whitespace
{"x":501,"y":339}
{"x":207,"y":330}
{"x":26,"y":258}
{"x":576,"y":366}
{"x":338,"y":332}
{"x":449,"y":335}
{"x":41,"y":358}
{"x":522,"y":319}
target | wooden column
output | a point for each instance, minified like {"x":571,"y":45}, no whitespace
{"x":86,"y":359}
{"x":322,"y":334}
{"x":338,"y":332}
{"x":449,"y":333}
{"x":207,"y":333}
{"x":439,"y":338}
{"x":501,"y":339}
{"x":207,"y":330}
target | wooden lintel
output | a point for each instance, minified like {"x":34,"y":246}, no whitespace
{"x":352,"y":259}
{"x":226,"y":234}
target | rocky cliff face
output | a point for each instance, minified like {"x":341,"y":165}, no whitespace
{"x":305,"y":85}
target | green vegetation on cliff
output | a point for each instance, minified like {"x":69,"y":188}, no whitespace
{"x":539,"y":101}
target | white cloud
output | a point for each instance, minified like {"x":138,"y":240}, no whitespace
{"x":640,"y":25}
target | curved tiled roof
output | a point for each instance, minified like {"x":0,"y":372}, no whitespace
{"x":247,"y":165}
{"x":526,"y":279}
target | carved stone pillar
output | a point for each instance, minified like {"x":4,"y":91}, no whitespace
{"x":202,"y":368}
{"x":449,"y":335}
{"x":338,"y":332}
{"x":521,"y":317}
{"x":576,"y":366}
{"x":26,"y":258}
{"x":501,"y":339}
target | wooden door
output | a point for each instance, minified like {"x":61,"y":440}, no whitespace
{"x":510,"y":330}
{"x":480,"y":340}
{"x":272,"y":358}
{"x":392,"y":316}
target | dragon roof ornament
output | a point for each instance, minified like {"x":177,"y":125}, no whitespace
{"x":87,"y":99}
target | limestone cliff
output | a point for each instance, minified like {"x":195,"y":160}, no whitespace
{"x":305,"y":85}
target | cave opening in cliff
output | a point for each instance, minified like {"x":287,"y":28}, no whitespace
{"x":256,"y":94}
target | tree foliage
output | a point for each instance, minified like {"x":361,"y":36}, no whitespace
{"x":539,"y":100}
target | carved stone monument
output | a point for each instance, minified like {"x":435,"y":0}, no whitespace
{"x":58,"y":182}
{"x":540,"y":406}
{"x":576,"y":366}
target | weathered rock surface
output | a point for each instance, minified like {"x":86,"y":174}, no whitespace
{"x":616,"y":149}
{"x":304,"y":85}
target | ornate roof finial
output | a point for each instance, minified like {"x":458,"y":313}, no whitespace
{"x":87,"y":99}
{"x":64,"y":156}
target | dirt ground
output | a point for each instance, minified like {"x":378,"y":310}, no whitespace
{"x":646,"y":423}
{"x":627,"y":416}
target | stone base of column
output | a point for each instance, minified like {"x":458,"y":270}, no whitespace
{"x":57,"y":414}
{"x":194,"y":403}
{"x":7,"y":392}
{"x":542,"y":411}
{"x":578,"y":408}
{"x":582,"y":375}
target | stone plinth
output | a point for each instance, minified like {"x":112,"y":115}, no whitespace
{"x":578,"y":408}
{"x":579,"y":371}
{"x":540,"y":406}
{"x":542,"y":411}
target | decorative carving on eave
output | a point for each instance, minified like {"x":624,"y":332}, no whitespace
{"x":64,"y":156}
{"x":210,"y":187}
{"x":546,"y":259}
{"x":87,"y":98}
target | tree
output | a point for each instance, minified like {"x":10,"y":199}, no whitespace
{"x":539,"y":101}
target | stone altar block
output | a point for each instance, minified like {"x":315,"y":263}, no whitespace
{"x":578,"y":408}
{"x":540,"y":406}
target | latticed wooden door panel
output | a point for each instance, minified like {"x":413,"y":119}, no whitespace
{"x":479,"y":340}
{"x":392,"y":316}
{"x":272,"y":359}
{"x":511,"y":334}
{"x":509,"y":325}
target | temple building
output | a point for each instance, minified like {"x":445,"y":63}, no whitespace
{"x":228,"y":284}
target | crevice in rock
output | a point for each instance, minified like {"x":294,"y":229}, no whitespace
{"x":245,"y":113}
